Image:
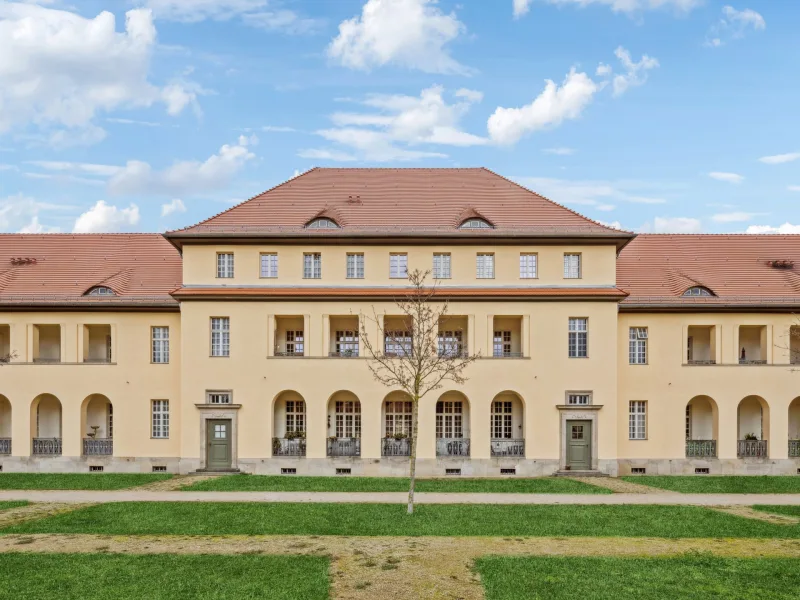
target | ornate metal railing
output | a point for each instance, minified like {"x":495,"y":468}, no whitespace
{"x":747,"y":361}
{"x":794,"y":448}
{"x":47,"y":446}
{"x":508,"y":448}
{"x":507,"y":355}
{"x":751,"y":449}
{"x":344,"y":353}
{"x":97,"y":361}
{"x":5,"y":445}
{"x":98,"y":446}
{"x":290,"y":354}
{"x":701,"y":362}
{"x":701,"y":448}
{"x":396,"y":447}
{"x":285,"y":447}
{"x":452,"y":447}
{"x":344,"y":447}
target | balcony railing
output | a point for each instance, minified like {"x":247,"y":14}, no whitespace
{"x":508,"y":448}
{"x":751,"y":449}
{"x":747,"y":361}
{"x":395,"y":447}
{"x":288,"y":447}
{"x":5,"y":445}
{"x":794,"y":448}
{"x":289,"y":353}
{"x":46,"y":361}
{"x":507,"y":355}
{"x":701,"y":448}
{"x":98,"y":446}
{"x":692,"y":361}
{"x":344,"y":353}
{"x":47,"y":446}
{"x":97,"y":361}
{"x":344,"y":447}
{"x":452,"y":447}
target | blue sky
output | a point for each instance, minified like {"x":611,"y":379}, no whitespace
{"x":147,"y":115}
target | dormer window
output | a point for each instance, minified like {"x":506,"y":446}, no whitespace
{"x":476,"y":224}
{"x":698,"y":290}
{"x":322,"y":223}
{"x":101,"y":291}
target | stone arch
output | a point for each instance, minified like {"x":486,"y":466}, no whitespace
{"x":507,"y":424}
{"x":344,"y":424}
{"x":97,"y":425}
{"x":752,"y":420}
{"x":46,"y":427}
{"x":5,"y":418}
{"x":289,"y":424}
{"x":794,"y":428}
{"x":452,"y":424}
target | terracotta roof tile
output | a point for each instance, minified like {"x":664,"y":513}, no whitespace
{"x":56,"y":267}
{"x":736,"y":268}
{"x":398,"y":201}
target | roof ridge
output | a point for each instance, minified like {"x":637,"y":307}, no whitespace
{"x":227,"y":210}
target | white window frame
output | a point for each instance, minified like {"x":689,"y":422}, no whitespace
{"x":579,"y":398}
{"x":269,"y":265}
{"x":312,"y":265}
{"x":397,"y":343}
{"x":346,"y":342}
{"x":637,"y":345}
{"x":476,"y":223}
{"x":451,"y":342}
{"x":219,"y":397}
{"x":398,"y":265}
{"x":159,"y":419}
{"x":295,"y":416}
{"x":637,"y":420}
{"x":502,"y":419}
{"x":355,"y":265}
{"x":347,"y":419}
{"x":442,"y":262}
{"x":501,"y":344}
{"x":323,"y":223}
{"x":449,"y":419}
{"x":398,"y":417}
{"x":484,"y":265}
{"x":295,"y":342}
{"x":578,"y":339}
{"x":102,"y":291}
{"x":572,"y":265}
{"x":159,"y":337}
{"x":688,"y":422}
{"x":224,"y":265}
{"x":220,"y":336}
{"x":528,"y":265}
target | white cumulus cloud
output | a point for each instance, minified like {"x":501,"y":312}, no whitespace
{"x":635,"y":72}
{"x":786,"y":228}
{"x":171,"y":208}
{"x":779,"y":159}
{"x":193,"y":11}
{"x":407,"y":33}
{"x":105,"y":218}
{"x":521,"y":7}
{"x":728,"y":177}
{"x":735,"y":217}
{"x":59,"y":69}
{"x":733,"y":25}
{"x":21,"y":213}
{"x":676,"y":225}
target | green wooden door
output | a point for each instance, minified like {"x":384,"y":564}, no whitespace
{"x":579,"y":445}
{"x":218,"y":444}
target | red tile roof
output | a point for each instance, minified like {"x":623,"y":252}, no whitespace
{"x":399,"y":202}
{"x":58,"y":269}
{"x":658,"y":269}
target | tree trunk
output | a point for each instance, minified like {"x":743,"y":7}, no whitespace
{"x":413,"y":457}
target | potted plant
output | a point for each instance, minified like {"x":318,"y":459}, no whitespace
{"x":750,"y":437}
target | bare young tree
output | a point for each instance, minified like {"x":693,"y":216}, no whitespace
{"x":411,"y":356}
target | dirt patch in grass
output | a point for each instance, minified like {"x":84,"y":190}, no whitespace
{"x":176,"y":483}
{"x":618,"y":486}
{"x":748,"y":513}
{"x":31,"y":512}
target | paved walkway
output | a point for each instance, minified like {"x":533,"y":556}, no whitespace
{"x":134,"y":495}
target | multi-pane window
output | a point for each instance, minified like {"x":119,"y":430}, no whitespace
{"x":312,"y":265}
{"x":355,"y":266}
{"x":108,"y":348}
{"x":295,"y":343}
{"x":218,"y":398}
{"x":690,"y":349}
{"x":397,"y":343}
{"x":501,"y":344}
{"x":269,"y":265}
{"x":160,"y":418}
{"x":348,"y":419}
{"x":160,"y":344}
{"x":441,"y":266}
{"x":579,"y":399}
{"x":637,"y":420}
{"x":110,"y":421}
{"x":295,"y":416}
{"x":572,"y":266}
{"x":102,"y":291}
{"x":451,"y":343}
{"x":502,"y":421}
{"x":347,"y":343}
{"x":688,"y":421}
{"x":225,"y":265}
{"x":527,"y":266}
{"x":485,"y":266}
{"x":475,"y":224}
{"x":449,"y":419}
{"x":220,"y":336}
{"x":322,"y":223}
{"x":398,"y":266}
{"x":398,"y":418}
{"x":637,"y":346}
{"x":578,"y":335}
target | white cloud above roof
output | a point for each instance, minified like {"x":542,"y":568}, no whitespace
{"x":106,"y":218}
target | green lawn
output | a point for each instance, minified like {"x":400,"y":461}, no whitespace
{"x":726,"y":484}
{"x":219,"y":518}
{"x":285,"y":483}
{"x":688,"y":577}
{"x":162,"y":576}
{"x":76,"y":481}
{"x":12,"y":504}
{"x":792,"y":511}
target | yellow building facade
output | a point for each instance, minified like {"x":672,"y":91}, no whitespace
{"x":234,"y":344}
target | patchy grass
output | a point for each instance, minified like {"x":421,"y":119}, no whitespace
{"x":792,"y":511}
{"x":684,"y":577}
{"x":12,"y":504}
{"x":76,"y":481}
{"x":162,"y":576}
{"x":724,"y":484}
{"x":219,"y":518}
{"x":293,"y":483}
